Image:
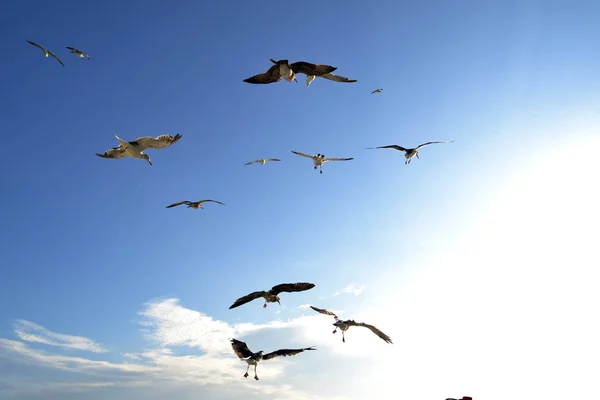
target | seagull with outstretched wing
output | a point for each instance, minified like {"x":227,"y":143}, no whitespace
{"x":408,"y":153}
{"x":271,"y":296}
{"x":46,"y":52}
{"x":135,"y":148}
{"x":379,"y":90}
{"x":244,"y":353}
{"x":283,"y":69}
{"x":320,"y":159}
{"x":262,"y":161}
{"x":78,"y":53}
{"x":345,"y":325}
{"x":194,"y":204}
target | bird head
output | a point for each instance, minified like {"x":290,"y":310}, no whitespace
{"x":260,"y":353}
{"x":147,"y":158}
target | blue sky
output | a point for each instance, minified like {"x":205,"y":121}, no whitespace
{"x":477,"y":259}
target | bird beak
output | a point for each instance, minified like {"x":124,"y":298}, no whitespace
{"x":295,"y":80}
{"x":149,"y":162}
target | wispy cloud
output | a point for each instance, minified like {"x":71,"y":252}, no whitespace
{"x":351,"y":289}
{"x":165,"y":324}
{"x":31,"y":332}
{"x":304,"y":306}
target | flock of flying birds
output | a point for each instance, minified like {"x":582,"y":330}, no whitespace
{"x":279,"y":69}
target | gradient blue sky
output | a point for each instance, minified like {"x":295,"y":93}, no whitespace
{"x":477,"y":259}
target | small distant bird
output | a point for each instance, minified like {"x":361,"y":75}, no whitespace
{"x":464,"y":398}
{"x":408,"y":153}
{"x":46,"y":52}
{"x":243,"y":352}
{"x":271,"y":296}
{"x":377,"y":91}
{"x":194,"y":204}
{"x":319,"y":159}
{"x":331,"y":77}
{"x":288,"y":71}
{"x":78,"y":52}
{"x":345,"y":325}
{"x":262,"y":161}
{"x":136,"y":147}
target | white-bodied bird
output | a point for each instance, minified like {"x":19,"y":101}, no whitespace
{"x":320,"y":159}
{"x":243,"y":352}
{"x":408,"y":153}
{"x":345,"y":325}
{"x":46,"y":52}
{"x":136,"y":147}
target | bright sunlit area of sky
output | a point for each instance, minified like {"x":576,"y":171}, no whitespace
{"x":478,"y":258}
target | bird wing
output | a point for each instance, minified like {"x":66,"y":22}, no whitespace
{"x":160,"y":142}
{"x":337,"y":159}
{"x":39,"y":46}
{"x":324,"y":311}
{"x":376,"y":91}
{"x":210,"y":201}
{"x":241,"y":349}
{"x":373,"y":329}
{"x":291,"y":287}
{"x":391,"y":146}
{"x":179,"y":203}
{"x":252,"y":162}
{"x":302,"y":154}
{"x":248,"y":298}
{"x":285,"y":353}
{"x":57,"y":59}
{"x":115,"y":152}
{"x":428,"y":143}
{"x":272,"y":75}
{"x":74,"y":49}
{"x":337,"y":78}
{"x":302,"y":67}
{"x":272,"y":159}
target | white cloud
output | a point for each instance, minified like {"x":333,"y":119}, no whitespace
{"x":32,"y":332}
{"x":304,"y":306}
{"x":351,"y":289}
{"x":166,"y":323}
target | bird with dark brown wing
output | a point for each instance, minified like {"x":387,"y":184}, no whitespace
{"x":282,"y":69}
{"x":271,"y":296}
{"x":408,"y":153}
{"x":194,"y":204}
{"x":345,"y":325}
{"x":244,"y":353}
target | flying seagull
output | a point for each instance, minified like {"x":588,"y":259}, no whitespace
{"x":46,"y":52}
{"x":243,"y":352}
{"x":319,"y":159}
{"x":288,"y":71}
{"x":136,"y":147}
{"x":463,"y":398}
{"x":345,"y":325}
{"x":262,"y":161}
{"x":271,"y":296}
{"x":377,"y":91}
{"x":78,"y":52}
{"x":408,"y":153}
{"x":194,"y":204}
{"x":331,"y":77}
